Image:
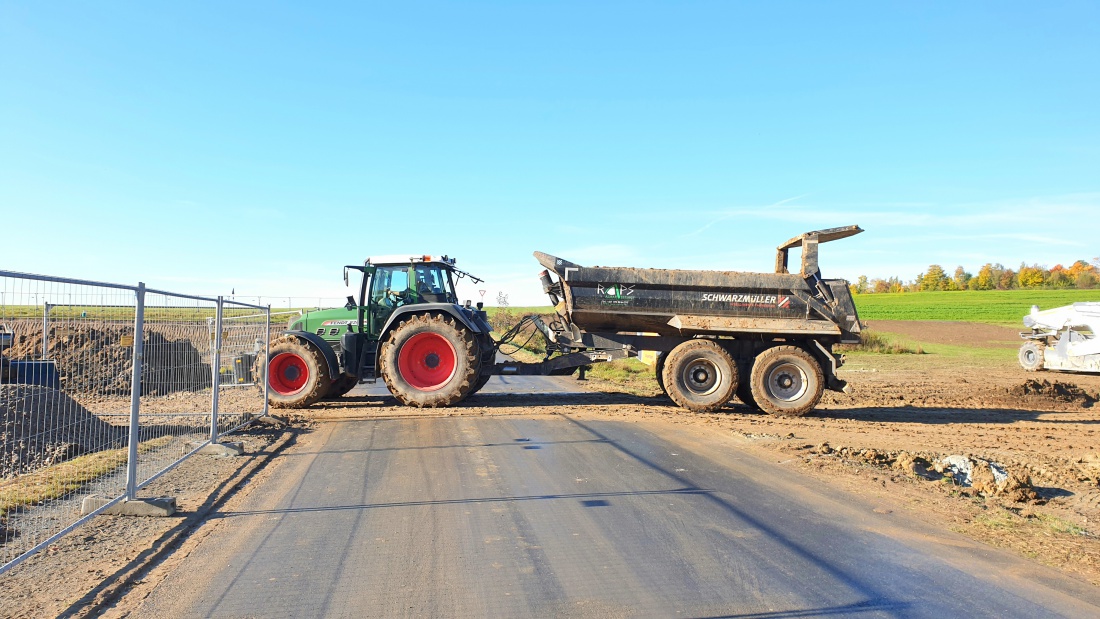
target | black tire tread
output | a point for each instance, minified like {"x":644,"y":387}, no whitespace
{"x":309,"y":395}
{"x":461,"y":384}
{"x":760,"y":368}
{"x":744,"y":386}
{"x":341,"y":386}
{"x":488,"y":360}
{"x":1040,"y":350}
{"x":659,"y":370}
{"x":684,"y":352}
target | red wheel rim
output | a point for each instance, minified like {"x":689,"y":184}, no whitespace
{"x":427,"y":361}
{"x":289,"y":373}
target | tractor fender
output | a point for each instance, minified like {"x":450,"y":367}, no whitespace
{"x":315,"y":340}
{"x":449,"y":309}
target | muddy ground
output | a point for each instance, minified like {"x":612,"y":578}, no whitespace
{"x":906,"y":412}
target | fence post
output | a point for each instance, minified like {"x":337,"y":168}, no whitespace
{"x":45,"y":329}
{"x":267,"y":356}
{"x":135,"y":392}
{"x":216,"y":364}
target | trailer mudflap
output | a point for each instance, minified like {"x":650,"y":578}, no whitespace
{"x":834,"y":361}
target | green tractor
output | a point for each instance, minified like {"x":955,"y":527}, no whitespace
{"x":406,"y":327}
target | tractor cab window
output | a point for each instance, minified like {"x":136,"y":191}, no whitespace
{"x":433,"y":284}
{"x":390,"y":287}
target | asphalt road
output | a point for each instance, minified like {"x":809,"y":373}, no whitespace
{"x":578,"y":515}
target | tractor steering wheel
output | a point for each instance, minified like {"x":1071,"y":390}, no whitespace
{"x":393,"y":299}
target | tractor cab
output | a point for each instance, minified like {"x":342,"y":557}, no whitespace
{"x":388,"y":285}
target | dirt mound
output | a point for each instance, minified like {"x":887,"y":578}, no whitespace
{"x":1068,"y":393}
{"x":978,"y":475}
{"x":40,"y":426}
{"x":97,"y":360}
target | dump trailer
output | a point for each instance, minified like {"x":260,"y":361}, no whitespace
{"x":766,"y":338}
{"x":1064,"y":338}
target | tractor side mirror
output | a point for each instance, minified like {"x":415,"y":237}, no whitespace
{"x":346,"y":278}
{"x":350,"y":305}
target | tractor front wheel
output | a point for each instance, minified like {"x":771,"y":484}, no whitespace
{"x":296,"y":373}
{"x":429,"y":361}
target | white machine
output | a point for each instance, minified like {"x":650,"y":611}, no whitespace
{"x":1064,"y":338}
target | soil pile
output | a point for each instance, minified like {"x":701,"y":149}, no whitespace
{"x":40,"y":426}
{"x":980,"y":476}
{"x":97,"y":360}
{"x":1057,"y":391}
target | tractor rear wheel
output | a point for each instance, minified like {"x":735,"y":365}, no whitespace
{"x":429,"y":361}
{"x":341,"y":386}
{"x":296,"y":373}
{"x":488,"y":360}
{"x":786,"y":380}
{"x":1031,"y":356}
{"x":700,"y":376}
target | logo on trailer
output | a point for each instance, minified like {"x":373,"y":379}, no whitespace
{"x":616,"y":291}
{"x":750,"y":300}
{"x":614,"y":294}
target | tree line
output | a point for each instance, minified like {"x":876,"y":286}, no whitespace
{"x":991,"y":276}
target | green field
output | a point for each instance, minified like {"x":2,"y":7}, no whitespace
{"x":999,"y":307}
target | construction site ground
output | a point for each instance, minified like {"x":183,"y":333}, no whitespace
{"x":964,"y":396}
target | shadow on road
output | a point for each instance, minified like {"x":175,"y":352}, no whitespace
{"x":940,"y":415}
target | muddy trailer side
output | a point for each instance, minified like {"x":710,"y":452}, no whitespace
{"x":765,"y":337}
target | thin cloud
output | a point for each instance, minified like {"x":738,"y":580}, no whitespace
{"x":740,"y":213}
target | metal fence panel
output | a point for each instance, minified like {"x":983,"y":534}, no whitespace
{"x":79,"y":418}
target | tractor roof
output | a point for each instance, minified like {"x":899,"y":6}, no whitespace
{"x":406,"y":259}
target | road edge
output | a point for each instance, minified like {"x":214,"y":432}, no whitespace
{"x":142,"y":574}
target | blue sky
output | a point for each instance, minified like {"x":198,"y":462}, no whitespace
{"x":258,"y":147}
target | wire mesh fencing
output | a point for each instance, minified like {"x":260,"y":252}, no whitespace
{"x":103,"y":388}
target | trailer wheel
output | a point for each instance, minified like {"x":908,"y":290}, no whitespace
{"x":298,"y":375}
{"x":786,"y":380}
{"x":1031,"y":356}
{"x":429,"y":361}
{"x":659,"y":368}
{"x":700,"y":375}
{"x":341,"y":386}
{"x":744,"y":386}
